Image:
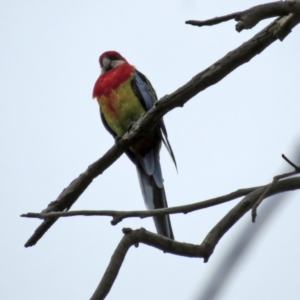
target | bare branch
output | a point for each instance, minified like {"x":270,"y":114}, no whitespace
{"x":204,"y":250}
{"x":216,"y":20}
{"x":272,"y":186}
{"x":118,"y":216}
{"x":200,"y":82}
{"x":290,"y":163}
{"x":251,"y":17}
{"x":134,"y":237}
{"x":238,"y":211}
{"x":254,"y":15}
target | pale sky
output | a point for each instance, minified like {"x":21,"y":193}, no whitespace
{"x":228,"y":137}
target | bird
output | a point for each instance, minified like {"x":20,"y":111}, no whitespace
{"x":124,"y":94}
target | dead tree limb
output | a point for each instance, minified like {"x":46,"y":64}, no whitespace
{"x":273,"y":184}
{"x":252,"y":16}
{"x":204,"y":250}
{"x":118,"y":216}
{"x":278,"y":29}
{"x":134,"y":237}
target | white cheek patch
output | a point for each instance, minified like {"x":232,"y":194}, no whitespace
{"x":116,"y":63}
{"x":105,"y":63}
{"x":110,"y":64}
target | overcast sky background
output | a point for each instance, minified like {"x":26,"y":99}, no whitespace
{"x":230,"y":136}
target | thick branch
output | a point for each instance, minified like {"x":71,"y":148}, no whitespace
{"x":134,"y":237}
{"x":200,"y":82}
{"x":204,"y":250}
{"x":250,"y":17}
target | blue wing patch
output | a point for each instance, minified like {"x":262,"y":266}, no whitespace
{"x":146,"y":94}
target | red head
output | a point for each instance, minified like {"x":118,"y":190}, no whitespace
{"x":114,"y":70}
{"x":110,"y":59}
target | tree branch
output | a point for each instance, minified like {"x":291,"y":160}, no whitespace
{"x":204,"y":250}
{"x":118,"y":216}
{"x":200,"y":82}
{"x":272,"y":186}
{"x":251,"y":17}
{"x":134,"y":237}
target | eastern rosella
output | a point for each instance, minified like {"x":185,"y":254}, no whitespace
{"x":124,"y":95}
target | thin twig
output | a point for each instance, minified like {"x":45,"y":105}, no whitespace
{"x":272,"y":186}
{"x":118,"y":216}
{"x":214,"y":21}
{"x":290,"y":163}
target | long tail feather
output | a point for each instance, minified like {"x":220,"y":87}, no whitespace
{"x":162,"y":133}
{"x":155,"y":198}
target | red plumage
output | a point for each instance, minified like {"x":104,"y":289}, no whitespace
{"x":111,"y":79}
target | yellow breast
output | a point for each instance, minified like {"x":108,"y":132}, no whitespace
{"x":121,"y":107}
